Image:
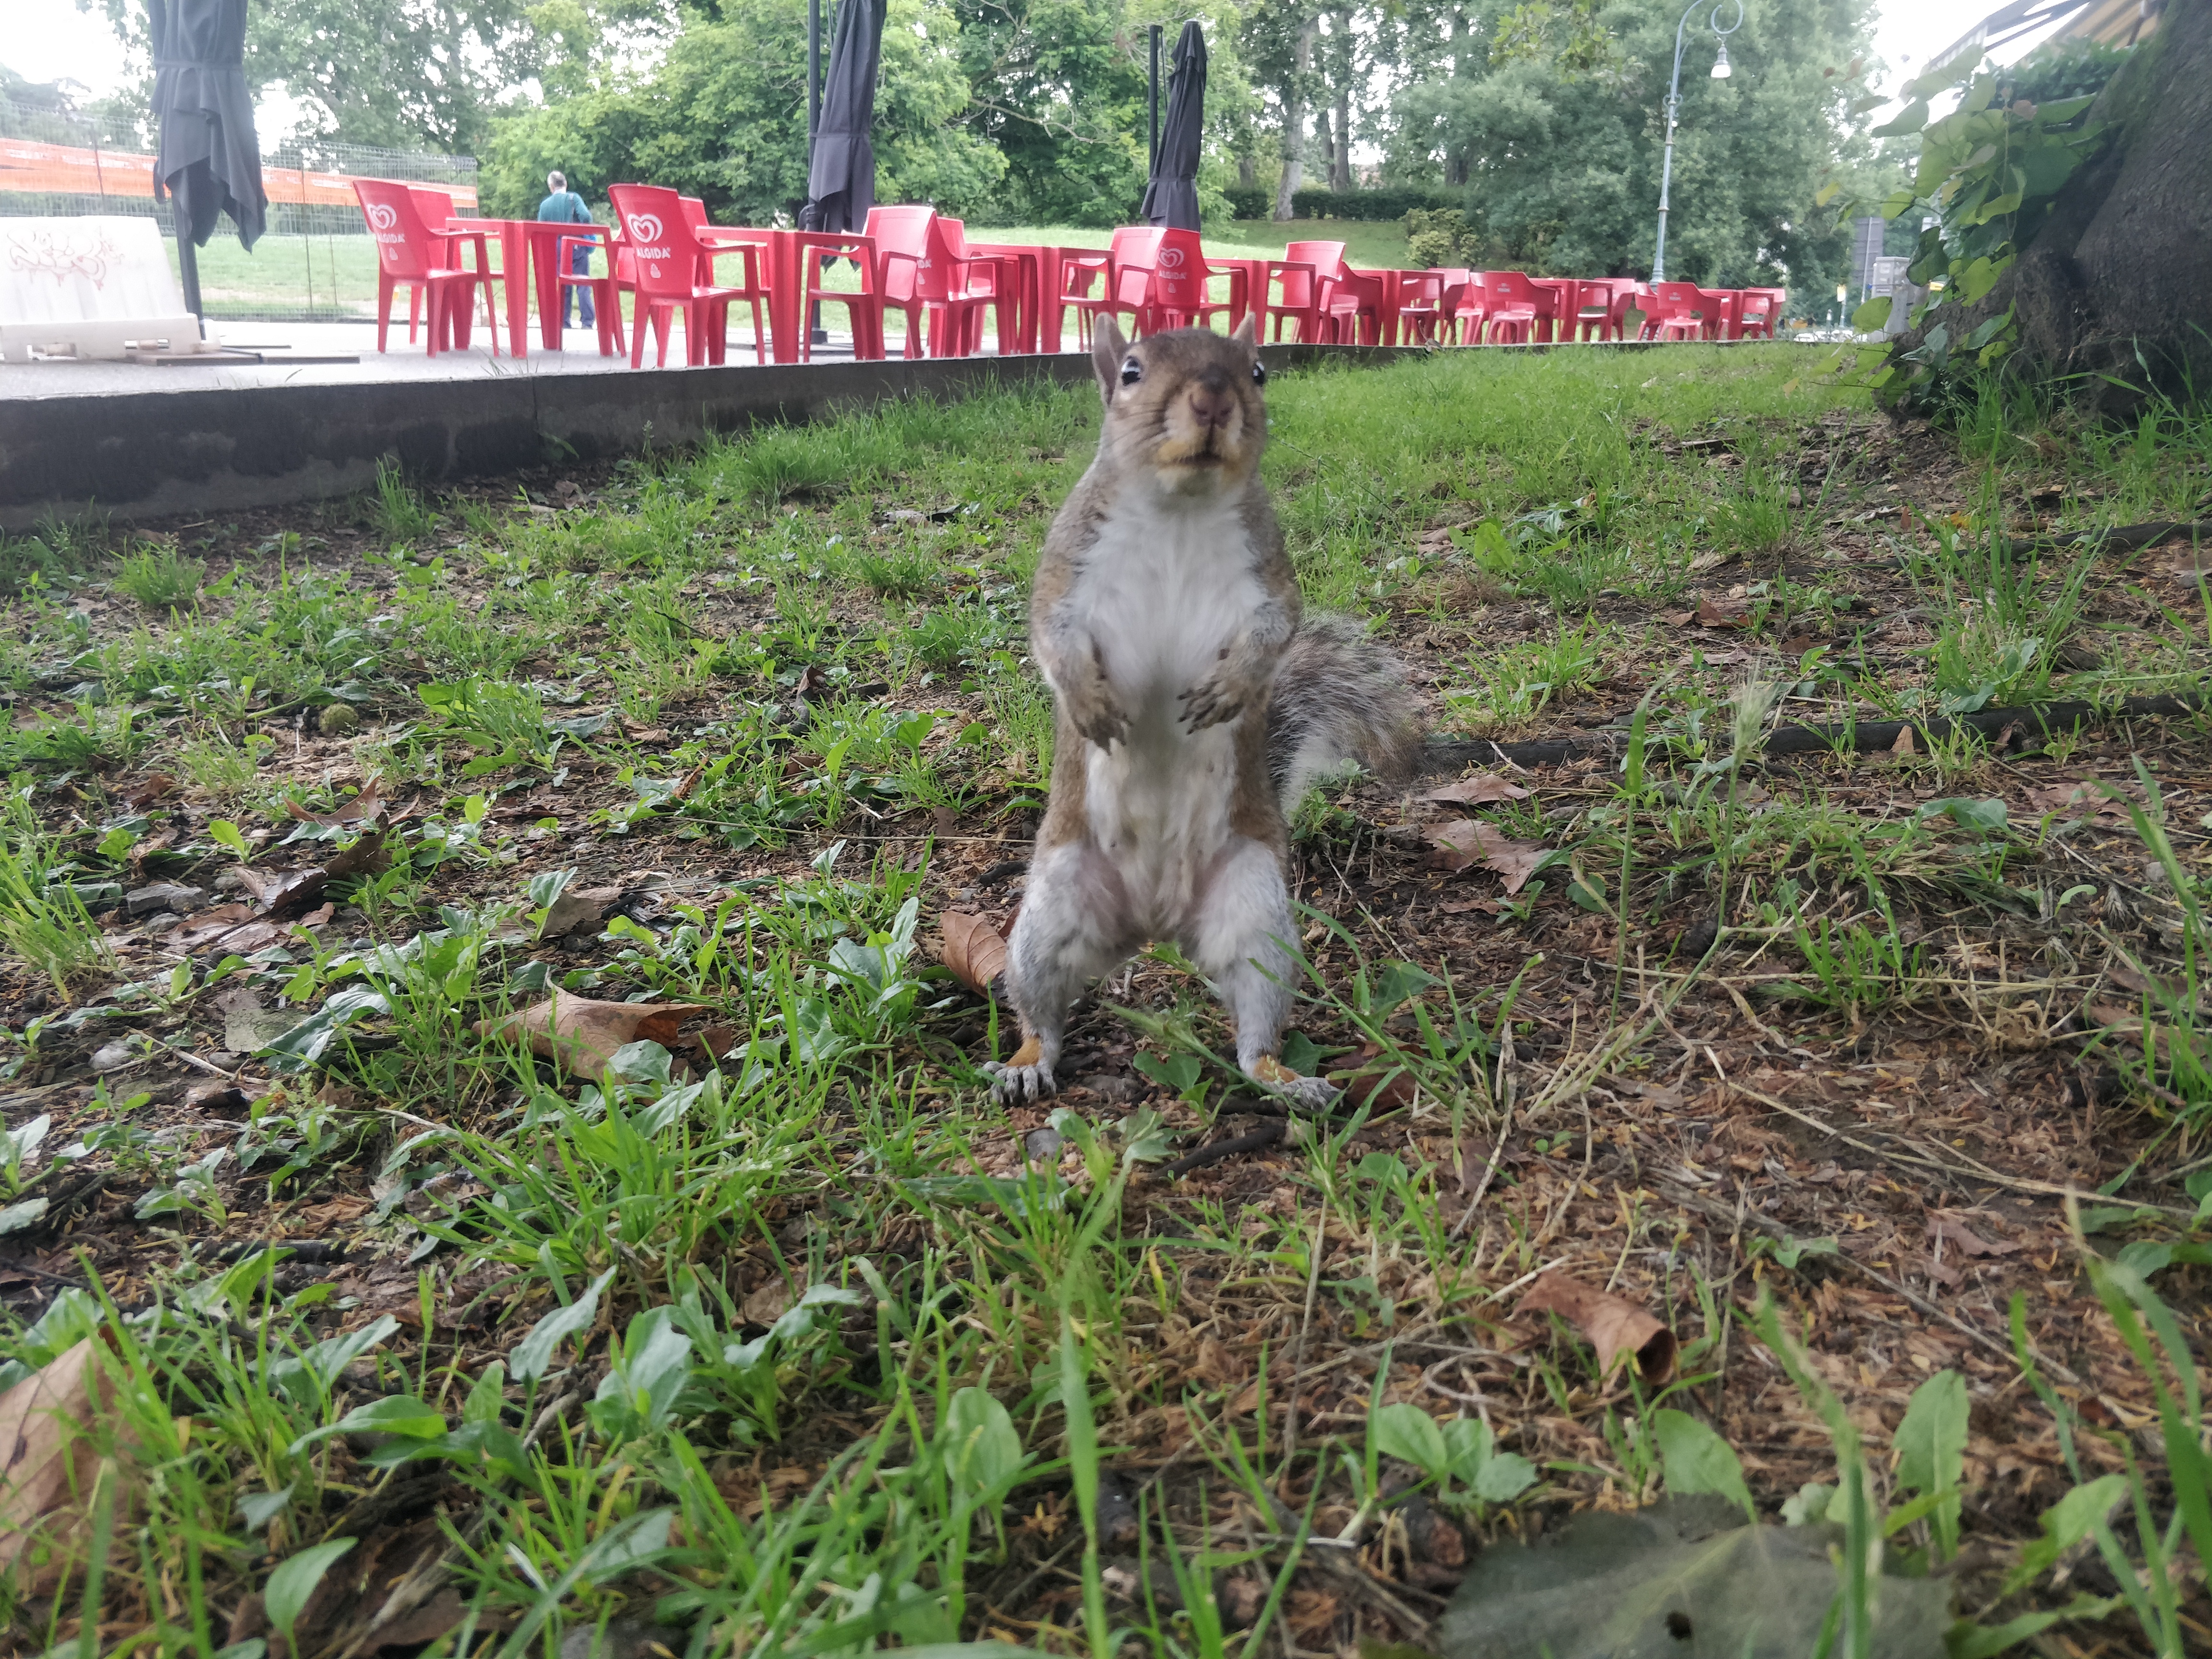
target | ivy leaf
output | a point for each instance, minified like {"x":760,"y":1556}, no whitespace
{"x":1910,"y":118}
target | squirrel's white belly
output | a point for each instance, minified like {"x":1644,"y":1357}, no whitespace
{"x":1166,"y":593}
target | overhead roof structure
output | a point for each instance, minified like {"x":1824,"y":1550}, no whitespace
{"x":2115,"y":22}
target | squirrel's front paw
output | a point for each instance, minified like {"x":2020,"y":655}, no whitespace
{"x":1212,"y":702}
{"x":1304,"y":1094}
{"x":1100,"y":719}
{"x":1027,"y":1076}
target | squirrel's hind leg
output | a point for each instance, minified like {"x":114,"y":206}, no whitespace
{"x":1071,"y":929}
{"x":1244,"y":938}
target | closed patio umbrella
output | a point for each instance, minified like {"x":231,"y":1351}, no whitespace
{"x":1171,"y":196}
{"x":210,"y":160}
{"x":841,"y":176}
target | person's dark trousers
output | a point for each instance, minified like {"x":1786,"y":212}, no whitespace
{"x":580,"y":264}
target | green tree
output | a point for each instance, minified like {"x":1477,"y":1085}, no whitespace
{"x":722,"y":116}
{"x":1556,"y":126}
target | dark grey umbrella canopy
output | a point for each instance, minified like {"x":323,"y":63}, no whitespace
{"x":209,"y":159}
{"x":1171,"y":196}
{"x":841,"y":180}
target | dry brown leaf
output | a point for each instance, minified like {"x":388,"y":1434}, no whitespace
{"x":1678,"y":618}
{"x":1613,"y":1327}
{"x":212,"y":924}
{"x":284,"y":890}
{"x":716,"y":1041}
{"x":363,"y":809}
{"x":769,"y":1303}
{"x":572,"y":910}
{"x":1903,"y":745}
{"x":2081,"y":797}
{"x":1466,"y":841}
{"x":144,"y":793}
{"x":1724,"y":613}
{"x":1477,"y":788}
{"x":1944,"y":1225}
{"x":46,"y":1467}
{"x":582,"y":1034}
{"x":973,"y":950}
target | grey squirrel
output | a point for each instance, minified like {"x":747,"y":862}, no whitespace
{"x":1193,"y":706}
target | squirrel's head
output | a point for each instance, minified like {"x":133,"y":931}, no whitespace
{"x":1186,"y":403}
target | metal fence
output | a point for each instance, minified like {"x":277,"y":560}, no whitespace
{"x":315,"y":264}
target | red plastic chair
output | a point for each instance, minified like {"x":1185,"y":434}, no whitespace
{"x":1724,"y":309}
{"x":864,"y":308}
{"x":992,"y":278}
{"x":1589,"y":317}
{"x":1759,"y":309}
{"x":666,"y":251}
{"x":1117,"y":283}
{"x":1677,"y":311}
{"x":607,"y":303}
{"x":1511,"y":305}
{"x":1181,"y":279}
{"x":1422,"y":318}
{"x":422,"y":255}
{"x":1305,"y":285}
{"x":911,"y":270}
{"x":1463,"y":303}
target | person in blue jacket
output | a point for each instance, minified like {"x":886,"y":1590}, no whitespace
{"x":562,"y":205}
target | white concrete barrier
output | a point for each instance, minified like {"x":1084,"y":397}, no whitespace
{"x":97,"y":287}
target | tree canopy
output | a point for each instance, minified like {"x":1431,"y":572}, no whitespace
{"x":1543,"y":118}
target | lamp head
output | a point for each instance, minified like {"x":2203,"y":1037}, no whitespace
{"x":1721,"y":70}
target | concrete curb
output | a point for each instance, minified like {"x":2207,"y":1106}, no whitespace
{"x":144,"y":455}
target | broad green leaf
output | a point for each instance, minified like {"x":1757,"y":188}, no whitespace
{"x":285,"y":1596}
{"x":398,"y":1414}
{"x":534,"y":1355}
{"x":979,"y":1442}
{"x":1399,"y":982}
{"x":1468,"y":1445}
{"x":1874,"y":314}
{"x":1910,"y":118}
{"x":1408,"y":1432}
{"x":17,"y":1216}
{"x":1931,"y":1440}
{"x":1696,"y":1459}
{"x":1897,"y":201}
{"x":1503,"y":1478}
{"x":488,"y":1396}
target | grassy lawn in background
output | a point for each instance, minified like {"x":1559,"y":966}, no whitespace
{"x":740,"y":1321}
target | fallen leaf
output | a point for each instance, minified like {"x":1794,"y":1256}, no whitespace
{"x":1710,"y":560}
{"x":47,"y":1462}
{"x":1678,"y":618}
{"x":973,"y":950}
{"x":1383,"y":1088}
{"x":572,"y":910}
{"x":1466,"y":841}
{"x":1724,"y":613}
{"x":213,"y":924}
{"x":2080,"y":797}
{"x":1477,"y":788}
{"x":363,"y":809}
{"x":769,"y":1303}
{"x":1612,"y":1325}
{"x":1903,"y":745}
{"x":717,"y":1041}
{"x":144,"y":793}
{"x":284,"y":890}
{"x":582,"y":1034}
{"x":1943,"y":1225}
{"x":369,"y":856}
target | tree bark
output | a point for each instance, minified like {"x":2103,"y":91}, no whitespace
{"x":2117,"y":280}
{"x":1339,"y":161}
{"x":1294,"y":120}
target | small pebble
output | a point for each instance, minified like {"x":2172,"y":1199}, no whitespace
{"x":113,"y":1057}
{"x":164,"y":923}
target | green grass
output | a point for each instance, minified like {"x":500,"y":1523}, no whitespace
{"x":791,"y":1344}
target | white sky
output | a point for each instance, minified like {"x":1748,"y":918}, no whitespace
{"x":49,"y":40}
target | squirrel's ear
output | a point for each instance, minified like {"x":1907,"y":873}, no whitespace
{"x":1107,"y":350}
{"x":1247,"y":332}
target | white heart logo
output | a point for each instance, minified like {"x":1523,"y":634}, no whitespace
{"x":382,"y":216}
{"x":1170,"y":258}
{"x":644,"y":227}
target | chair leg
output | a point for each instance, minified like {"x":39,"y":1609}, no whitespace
{"x":760,"y":333}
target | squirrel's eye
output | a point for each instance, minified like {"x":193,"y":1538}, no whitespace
{"x":1132,"y":371}
{"x":1259,"y":373}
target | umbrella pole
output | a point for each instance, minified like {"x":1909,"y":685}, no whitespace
{"x":814,"y":332}
{"x":188,"y":267}
{"x":1152,"y":152}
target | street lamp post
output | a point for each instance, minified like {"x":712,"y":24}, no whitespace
{"x":1673,"y":106}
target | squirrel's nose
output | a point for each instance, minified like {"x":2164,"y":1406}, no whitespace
{"x":1212,"y":406}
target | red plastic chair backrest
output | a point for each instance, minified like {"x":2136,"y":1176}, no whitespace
{"x":694,"y":211}
{"x":1675,"y":298}
{"x":406,"y":245}
{"x":1179,"y":270}
{"x":1326,"y":257}
{"x":1511,"y":288}
{"x":664,"y":248}
{"x":910,"y":232}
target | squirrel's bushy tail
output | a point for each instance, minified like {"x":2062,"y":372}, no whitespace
{"x":1338,"y":697}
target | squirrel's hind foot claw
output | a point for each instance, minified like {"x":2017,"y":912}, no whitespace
{"x":1014,"y":1085}
{"x":1304,"y":1094}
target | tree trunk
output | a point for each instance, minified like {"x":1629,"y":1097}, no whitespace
{"x":1294,"y":120}
{"x":2117,"y":280}
{"x":1339,"y":161}
{"x":1456,"y":156}
{"x":1325,"y":137}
